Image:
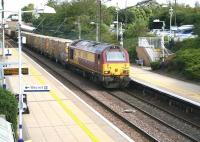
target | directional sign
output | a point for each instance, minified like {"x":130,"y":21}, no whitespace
{"x":38,"y":88}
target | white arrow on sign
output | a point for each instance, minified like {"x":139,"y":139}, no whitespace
{"x":38,"y":88}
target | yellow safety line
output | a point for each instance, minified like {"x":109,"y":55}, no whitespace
{"x":14,"y":52}
{"x":74,"y":117}
{"x":67,"y":109}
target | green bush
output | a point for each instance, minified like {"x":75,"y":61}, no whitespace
{"x":9,"y":107}
{"x":131,"y":44}
{"x":155,"y":65}
{"x":189,"y":43}
{"x":187,"y":60}
{"x":193,"y":72}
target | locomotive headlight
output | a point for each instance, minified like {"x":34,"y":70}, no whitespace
{"x":106,"y":72}
{"x":125,"y":71}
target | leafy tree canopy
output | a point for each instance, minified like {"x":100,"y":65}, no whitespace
{"x":28,"y":17}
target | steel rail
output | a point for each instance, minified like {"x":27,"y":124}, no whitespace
{"x":156,"y":118}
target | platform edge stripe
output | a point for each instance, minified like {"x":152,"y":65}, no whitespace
{"x":69,"y":112}
{"x":166,"y":92}
{"x":74,"y":117}
{"x":92,"y":109}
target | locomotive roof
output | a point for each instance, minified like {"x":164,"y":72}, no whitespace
{"x":91,"y":46}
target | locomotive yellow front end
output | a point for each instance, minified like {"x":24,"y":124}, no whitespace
{"x":116,"y":68}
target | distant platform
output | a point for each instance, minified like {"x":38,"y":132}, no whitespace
{"x":182,"y":90}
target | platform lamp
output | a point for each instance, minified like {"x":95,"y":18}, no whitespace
{"x":3,"y":26}
{"x":121,"y":35}
{"x":98,"y":18}
{"x":117,"y":22}
{"x":162,"y":38}
{"x":171,"y":14}
{"x":42,"y":9}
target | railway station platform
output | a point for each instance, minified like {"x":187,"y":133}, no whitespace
{"x":182,"y":90}
{"x":59,"y":115}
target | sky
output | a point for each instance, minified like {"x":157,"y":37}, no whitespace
{"x":122,"y":3}
{"x":14,"y":4}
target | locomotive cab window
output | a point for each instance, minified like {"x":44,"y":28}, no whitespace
{"x":98,"y":57}
{"x":71,"y":54}
{"x":115,"y":56}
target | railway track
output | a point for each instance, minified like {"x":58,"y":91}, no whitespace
{"x":190,"y":130}
{"x":146,"y":135}
{"x":108,"y":105}
{"x":193,"y":123}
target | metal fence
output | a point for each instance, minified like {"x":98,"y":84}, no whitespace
{"x":6,"y":131}
{"x":150,"y":42}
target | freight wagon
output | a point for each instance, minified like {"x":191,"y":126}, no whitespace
{"x":101,"y":62}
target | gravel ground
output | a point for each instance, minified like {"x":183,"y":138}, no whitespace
{"x":162,"y":115}
{"x":185,"y":122}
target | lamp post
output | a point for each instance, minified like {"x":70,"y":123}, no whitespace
{"x":78,"y":23}
{"x":98,"y":19}
{"x":175,"y":14}
{"x":162,"y":38}
{"x":79,"y":28}
{"x":20,"y":77}
{"x":45,"y":9}
{"x":163,"y":42}
{"x":121,"y":35}
{"x":94,"y":23}
{"x":117,"y":22}
{"x":170,"y":13}
{"x":3,"y":30}
{"x":120,"y":32}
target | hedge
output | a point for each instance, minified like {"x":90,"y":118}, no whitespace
{"x":155,"y":65}
{"x":187,"y":59}
{"x":9,"y":107}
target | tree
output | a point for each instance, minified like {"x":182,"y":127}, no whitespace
{"x":9,"y":107}
{"x":139,"y":28}
{"x":52,"y":3}
{"x":28,"y":17}
{"x":197,"y":24}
